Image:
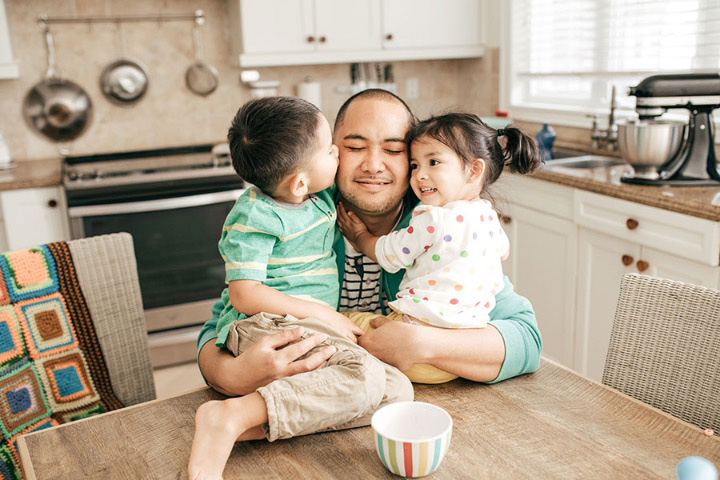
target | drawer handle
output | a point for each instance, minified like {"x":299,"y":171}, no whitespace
{"x":310,"y":39}
{"x":322,"y":39}
{"x":627,"y":260}
{"x":52,"y":203}
{"x":389,"y":36}
{"x":642,"y":265}
{"x":632,"y":224}
{"x":505,"y":219}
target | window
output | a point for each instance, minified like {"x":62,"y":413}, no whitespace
{"x":561,"y":57}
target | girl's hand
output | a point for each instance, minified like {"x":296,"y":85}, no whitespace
{"x":351,"y":226}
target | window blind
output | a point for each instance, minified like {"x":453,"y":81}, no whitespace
{"x":570,"y":52}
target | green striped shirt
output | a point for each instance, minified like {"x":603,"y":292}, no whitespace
{"x":285,"y":246}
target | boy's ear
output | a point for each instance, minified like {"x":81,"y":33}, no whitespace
{"x":477,"y":168}
{"x":298,"y":184}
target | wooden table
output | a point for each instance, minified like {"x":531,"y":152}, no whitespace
{"x":551,"y":424}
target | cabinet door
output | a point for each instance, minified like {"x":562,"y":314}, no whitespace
{"x":280,"y":26}
{"x":359,"y":31}
{"x":34,"y":216}
{"x":542,"y":268}
{"x":602,"y":262}
{"x":664,"y":265}
{"x":8,"y":66}
{"x":430,"y":23}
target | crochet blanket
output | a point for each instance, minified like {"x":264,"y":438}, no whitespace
{"x":52,"y":369}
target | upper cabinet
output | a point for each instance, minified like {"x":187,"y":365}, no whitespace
{"x":429,"y":24}
{"x":8,"y":67}
{"x":302,"y":32}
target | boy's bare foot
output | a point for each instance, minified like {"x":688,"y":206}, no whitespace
{"x":215,"y":434}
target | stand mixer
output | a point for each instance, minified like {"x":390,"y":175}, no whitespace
{"x":694,"y":163}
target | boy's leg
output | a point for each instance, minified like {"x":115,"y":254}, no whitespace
{"x":352,"y":383}
{"x":218,"y":425}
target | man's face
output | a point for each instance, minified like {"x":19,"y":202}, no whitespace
{"x":373,"y":173}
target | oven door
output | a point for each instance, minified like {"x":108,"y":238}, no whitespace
{"x":180,"y":270}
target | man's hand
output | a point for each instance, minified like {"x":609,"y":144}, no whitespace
{"x":351,"y":226}
{"x":395,"y":343}
{"x":270,"y":358}
{"x":341,"y":324}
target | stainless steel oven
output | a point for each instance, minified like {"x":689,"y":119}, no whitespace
{"x":174,"y":203}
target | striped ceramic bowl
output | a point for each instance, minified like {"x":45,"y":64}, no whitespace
{"x":411,"y":438}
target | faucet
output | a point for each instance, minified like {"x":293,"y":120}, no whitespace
{"x":605,"y":137}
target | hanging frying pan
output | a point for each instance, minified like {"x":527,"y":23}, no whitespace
{"x":200,"y":77}
{"x":124,"y":81}
{"x":56,"y":107}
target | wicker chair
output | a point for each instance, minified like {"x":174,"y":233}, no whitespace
{"x":665,"y":348}
{"x":107,"y":274}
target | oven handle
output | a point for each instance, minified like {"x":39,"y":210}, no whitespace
{"x":155,"y":205}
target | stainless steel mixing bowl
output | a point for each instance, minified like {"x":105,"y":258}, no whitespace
{"x":648,"y":144}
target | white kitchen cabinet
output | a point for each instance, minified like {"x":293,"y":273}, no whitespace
{"x":410,"y":24}
{"x":8,"y":66}
{"x":602,"y":261}
{"x":303,"y":26}
{"x":34,"y":216}
{"x":541,"y":266}
{"x":570,"y":249}
{"x":305,"y":32}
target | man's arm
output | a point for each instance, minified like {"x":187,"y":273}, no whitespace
{"x":508,"y":347}
{"x":268,"y":359}
{"x":241,"y":375}
{"x":455,"y":351}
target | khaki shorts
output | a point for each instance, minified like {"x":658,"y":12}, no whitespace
{"x":343,"y":394}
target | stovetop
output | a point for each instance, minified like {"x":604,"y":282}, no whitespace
{"x":147,"y":166}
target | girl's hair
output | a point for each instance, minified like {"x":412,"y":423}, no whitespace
{"x":471,"y":138}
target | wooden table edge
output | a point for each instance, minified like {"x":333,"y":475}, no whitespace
{"x":24,"y":455}
{"x":715,"y":436}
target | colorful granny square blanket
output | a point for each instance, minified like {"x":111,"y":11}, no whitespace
{"x":51,"y":366}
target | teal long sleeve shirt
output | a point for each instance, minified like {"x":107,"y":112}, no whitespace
{"x":513,"y":315}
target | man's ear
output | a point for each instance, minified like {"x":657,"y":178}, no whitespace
{"x":298,"y":184}
{"x":477,"y":168}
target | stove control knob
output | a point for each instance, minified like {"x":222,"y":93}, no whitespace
{"x":73,"y":176}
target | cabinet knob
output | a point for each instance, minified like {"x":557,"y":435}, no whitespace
{"x":389,"y":36}
{"x":627,"y":260}
{"x":322,"y":39}
{"x":642,"y":265}
{"x":632,"y":224}
{"x":310,"y":39}
{"x":505,"y":219}
{"x":52,"y":203}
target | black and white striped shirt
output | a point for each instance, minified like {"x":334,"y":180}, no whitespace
{"x":361,"y":284}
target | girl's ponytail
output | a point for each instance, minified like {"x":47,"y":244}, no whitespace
{"x":521,"y":152}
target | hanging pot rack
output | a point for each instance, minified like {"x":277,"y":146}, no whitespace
{"x":198,"y":17}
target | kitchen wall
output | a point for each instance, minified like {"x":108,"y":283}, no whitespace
{"x":169,"y":114}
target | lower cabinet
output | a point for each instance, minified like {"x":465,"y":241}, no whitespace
{"x":541,"y":266}
{"x":33,"y":216}
{"x":570,"y":248}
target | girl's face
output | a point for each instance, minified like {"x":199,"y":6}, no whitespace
{"x":438,"y":175}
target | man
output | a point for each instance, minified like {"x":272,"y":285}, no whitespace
{"x":372,"y":182}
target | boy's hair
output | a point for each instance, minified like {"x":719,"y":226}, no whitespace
{"x":271,"y":138}
{"x":471,"y":138}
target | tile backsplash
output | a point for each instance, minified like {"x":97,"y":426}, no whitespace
{"x":170,"y":114}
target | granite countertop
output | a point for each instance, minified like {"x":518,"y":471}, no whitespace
{"x":702,"y":202}
{"x":32,"y":174}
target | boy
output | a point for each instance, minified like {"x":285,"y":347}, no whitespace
{"x":277,"y":246}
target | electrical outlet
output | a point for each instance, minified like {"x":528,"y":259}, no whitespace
{"x":412,"y":88}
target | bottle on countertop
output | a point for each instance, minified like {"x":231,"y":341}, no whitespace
{"x":545,"y":139}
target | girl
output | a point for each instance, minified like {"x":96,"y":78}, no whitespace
{"x":454,"y":245}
